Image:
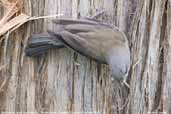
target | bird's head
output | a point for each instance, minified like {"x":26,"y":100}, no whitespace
{"x":119,"y":62}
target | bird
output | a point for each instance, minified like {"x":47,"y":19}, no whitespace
{"x":92,"y":38}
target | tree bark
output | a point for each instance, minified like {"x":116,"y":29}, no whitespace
{"x":63,"y":81}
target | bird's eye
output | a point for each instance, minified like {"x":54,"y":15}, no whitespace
{"x":126,"y":70}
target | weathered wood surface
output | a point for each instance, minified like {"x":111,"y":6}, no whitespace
{"x":64,"y":81}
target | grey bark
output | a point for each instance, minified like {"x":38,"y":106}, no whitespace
{"x":65,"y":81}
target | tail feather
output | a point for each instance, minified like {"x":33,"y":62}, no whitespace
{"x":39,"y":44}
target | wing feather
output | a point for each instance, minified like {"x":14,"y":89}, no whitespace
{"x":88,"y":38}
{"x":80,"y":45}
{"x":65,"y":21}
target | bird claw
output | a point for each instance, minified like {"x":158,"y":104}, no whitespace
{"x":98,"y":14}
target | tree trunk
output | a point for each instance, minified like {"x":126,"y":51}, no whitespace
{"x":63,"y":81}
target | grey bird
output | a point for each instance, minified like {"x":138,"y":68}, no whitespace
{"x":92,"y":38}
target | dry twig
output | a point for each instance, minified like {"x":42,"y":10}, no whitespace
{"x":9,"y":22}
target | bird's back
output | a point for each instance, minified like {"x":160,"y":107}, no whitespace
{"x":90,"y":38}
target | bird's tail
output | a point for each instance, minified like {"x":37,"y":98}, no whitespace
{"x":40,"y":43}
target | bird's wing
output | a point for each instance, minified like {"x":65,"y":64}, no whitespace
{"x":67,"y":21}
{"x":87,"y":37}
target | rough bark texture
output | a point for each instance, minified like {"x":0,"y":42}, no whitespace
{"x":63,"y":81}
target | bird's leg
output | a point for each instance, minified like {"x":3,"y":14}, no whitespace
{"x":97,"y":15}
